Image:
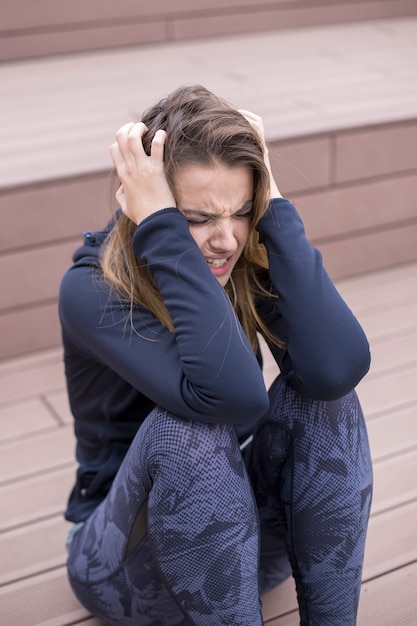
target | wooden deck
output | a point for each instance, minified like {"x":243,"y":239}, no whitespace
{"x":37,"y":467}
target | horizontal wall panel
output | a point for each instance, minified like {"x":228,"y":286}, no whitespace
{"x":28,"y":29}
{"x":33,"y":276}
{"x":340,"y":211}
{"x":299,"y":16}
{"x":26,"y":44}
{"x":301,"y":165}
{"x":26,"y":14}
{"x":376,"y":151}
{"x":370,"y":252}
{"x":55,"y":210}
{"x":31,"y":329}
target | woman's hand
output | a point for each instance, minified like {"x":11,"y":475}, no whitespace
{"x":144,"y":188}
{"x":256,"y":122}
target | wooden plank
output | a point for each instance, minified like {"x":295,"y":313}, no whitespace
{"x":381,"y":287}
{"x":373,"y":251}
{"x":362,"y":154}
{"x":36,"y":497}
{"x":361,"y":206}
{"x":40,"y":453}
{"x":385,"y":601}
{"x":395,"y":481}
{"x":43,"y":600}
{"x":24,"y":419}
{"x":288,"y":17}
{"x":68,"y":207}
{"x":301,"y":164}
{"x":393,"y":433}
{"x":33,"y":549}
{"x":23,"y":15}
{"x":398,"y":319}
{"x":30,"y":44}
{"x":19,"y":382}
{"x":29,"y":329}
{"x":47,"y":264}
{"x":21,"y":364}
{"x":280,"y":600}
{"x":58,"y":401}
{"x":391,"y":541}
{"x":390,"y":599}
{"x":386,"y":393}
{"x":292,"y":619}
{"x":391,"y":353}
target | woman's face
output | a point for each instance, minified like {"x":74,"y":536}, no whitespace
{"x":217,"y":202}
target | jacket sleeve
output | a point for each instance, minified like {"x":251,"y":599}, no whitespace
{"x":326,"y":352}
{"x":205,"y":369}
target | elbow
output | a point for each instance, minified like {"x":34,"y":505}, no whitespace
{"x":249,"y":408}
{"x":333,"y":381}
{"x":228,"y":404}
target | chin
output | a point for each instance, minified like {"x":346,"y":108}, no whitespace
{"x":223,"y":280}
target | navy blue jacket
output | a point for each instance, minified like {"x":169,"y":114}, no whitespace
{"x":205,"y":370}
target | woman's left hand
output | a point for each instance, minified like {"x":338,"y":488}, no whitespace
{"x":257,"y":123}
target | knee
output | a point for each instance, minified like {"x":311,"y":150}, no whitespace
{"x":288,"y":406}
{"x":169,"y":439}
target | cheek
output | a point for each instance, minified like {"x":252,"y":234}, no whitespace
{"x":199,"y":235}
{"x":242,"y":231}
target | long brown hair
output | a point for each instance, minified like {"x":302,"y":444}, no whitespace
{"x":201,"y":129}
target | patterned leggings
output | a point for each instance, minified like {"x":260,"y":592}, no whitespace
{"x":191,"y":533}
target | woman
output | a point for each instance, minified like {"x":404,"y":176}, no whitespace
{"x":197,"y":490}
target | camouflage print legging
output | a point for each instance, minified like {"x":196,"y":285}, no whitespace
{"x":176,"y":541}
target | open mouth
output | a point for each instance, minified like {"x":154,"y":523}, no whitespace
{"x":217,"y":262}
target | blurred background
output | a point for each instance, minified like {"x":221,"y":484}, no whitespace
{"x":336,"y":84}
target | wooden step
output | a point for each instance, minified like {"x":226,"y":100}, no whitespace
{"x":35,"y":497}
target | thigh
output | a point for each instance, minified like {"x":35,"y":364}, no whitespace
{"x":311,"y":461}
{"x":198,"y":558}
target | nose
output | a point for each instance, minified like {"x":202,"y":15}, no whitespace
{"x":224,"y":237}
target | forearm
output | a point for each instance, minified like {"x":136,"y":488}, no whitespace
{"x":327,"y":352}
{"x":216,"y":357}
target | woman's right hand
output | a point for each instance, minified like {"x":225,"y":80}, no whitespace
{"x":257,"y":123}
{"x":144,"y":188}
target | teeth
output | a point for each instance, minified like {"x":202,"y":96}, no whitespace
{"x":216,"y":262}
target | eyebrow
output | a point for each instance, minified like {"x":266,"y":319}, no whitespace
{"x":201,"y":213}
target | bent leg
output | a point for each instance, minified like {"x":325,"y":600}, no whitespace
{"x":197,"y":564}
{"x":311,"y":461}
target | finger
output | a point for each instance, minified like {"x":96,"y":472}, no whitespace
{"x":254,"y":120}
{"x":121,"y":198}
{"x":116,"y":156}
{"x":122,"y":138}
{"x":157,"y":147}
{"x":135,"y":140}
{"x":123,"y":132}
{"x":249,"y":114}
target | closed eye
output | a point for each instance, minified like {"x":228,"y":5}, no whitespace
{"x":245,"y":214}
{"x":201,"y":218}
{"x":199,"y":222}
